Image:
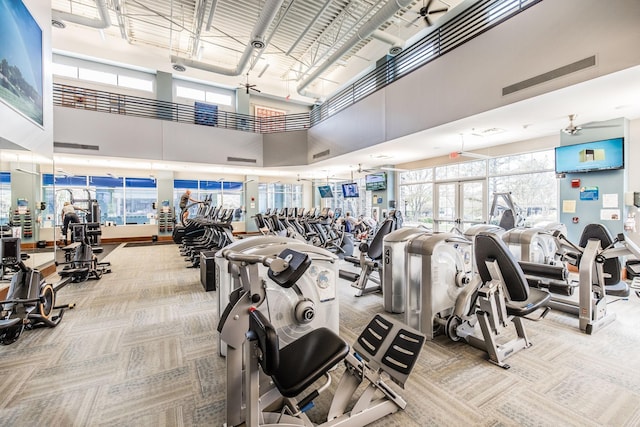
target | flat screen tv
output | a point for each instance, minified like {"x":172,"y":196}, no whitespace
{"x":376,"y":181}
{"x":350,"y":190}
{"x":325,"y":191}
{"x":607,"y":154}
{"x":21,"y":58}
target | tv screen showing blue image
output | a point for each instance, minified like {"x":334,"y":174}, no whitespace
{"x":325,"y":191}
{"x":606,"y":154}
{"x":350,"y":190}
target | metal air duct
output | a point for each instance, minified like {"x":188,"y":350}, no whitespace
{"x":397,"y":44}
{"x":380,"y":17}
{"x":256,"y":42}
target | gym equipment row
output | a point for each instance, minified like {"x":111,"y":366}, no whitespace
{"x":30,"y":301}
{"x":318,"y":227}
{"x":385,"y":348}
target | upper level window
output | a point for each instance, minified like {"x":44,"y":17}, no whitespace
{"x":190,"y":93}
{"x":98,"y":76}
{"x":135,"y":83}
{"x":65,"y":70}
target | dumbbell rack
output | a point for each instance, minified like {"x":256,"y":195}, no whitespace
{"x":23,"y":220}
{"x":166,"y":221}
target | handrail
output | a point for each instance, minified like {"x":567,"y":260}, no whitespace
{"x":478,"y":18}
{"x":200,"y":114}
{"x":470,"y":23}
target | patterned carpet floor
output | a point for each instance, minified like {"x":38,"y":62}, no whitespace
{"x":141,"y":349}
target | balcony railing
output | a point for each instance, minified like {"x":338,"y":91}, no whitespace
{"x":201,"y":114}
{"x":470,"y":23}
{"x":475,"y":20}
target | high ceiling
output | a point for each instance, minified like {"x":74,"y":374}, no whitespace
{"x":205,"y":35}
{"x":301,"y":36}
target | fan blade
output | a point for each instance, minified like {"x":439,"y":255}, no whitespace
{"x":257,"y":90}
{"x":428,"y":5}
{"x":413,"y":21}
{"x":441,"y":10}
{"x":427,"y":20}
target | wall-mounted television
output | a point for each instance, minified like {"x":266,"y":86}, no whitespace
{"x":325,"y":191}
{"x":607,"y":154}
{"x":376,"y":181}
{"x":21,"y":55}
{"x":350,"y":190}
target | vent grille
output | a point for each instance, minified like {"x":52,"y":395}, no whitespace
{"x":550,"y":75}
{"x":76,"y":146}
{"x":240,"y":159}
{"x":321,"y":154}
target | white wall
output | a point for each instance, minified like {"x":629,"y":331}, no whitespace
{"x":141,"y":138}
{"x":15,"y":127}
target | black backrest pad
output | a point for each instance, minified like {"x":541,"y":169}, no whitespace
{"x":298,"y":264}
{"x":488,"y":246}
{"x":375,"y":248}
{"x":267,"y":338}
{"x":374,"y":334}
{"x":611,"y":266}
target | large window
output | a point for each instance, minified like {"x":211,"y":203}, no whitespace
{"x":140,"y":194}
{"x":529,"y":177}
{"x":121,"y":200}
{"x":226,"y":194}
{"x":277,"y":196}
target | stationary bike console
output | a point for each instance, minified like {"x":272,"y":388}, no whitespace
{"x":297,"y":264}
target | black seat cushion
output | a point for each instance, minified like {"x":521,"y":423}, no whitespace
{"x":306,"y":359}
{"x":537,"y":299}
{"x":507,"y":221}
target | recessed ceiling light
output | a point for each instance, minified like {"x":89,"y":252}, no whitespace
{"x":58,"y":24}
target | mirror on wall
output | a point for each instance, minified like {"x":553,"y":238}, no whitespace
{"x":23,"y":212}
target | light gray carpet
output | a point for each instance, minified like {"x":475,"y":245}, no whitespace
{"x":140,"y":349}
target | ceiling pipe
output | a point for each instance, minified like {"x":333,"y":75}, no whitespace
{"x":100,"y":23}
{"x":383,"y":15}
{"x":309,"y":25}
{"x":397,"y":44}
{"x":212,"y":12}
{"x":256,"y":42}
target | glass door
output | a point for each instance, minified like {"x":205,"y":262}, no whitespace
{"x":459,"y":205}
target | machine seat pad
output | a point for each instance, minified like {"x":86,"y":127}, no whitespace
{"x":352,"y":259}
{"x":620,"y":289}
{"x":97,"y":249}
{"x":537,"y":299}
{"x":7,"y":323}
{"x":306,"y":359}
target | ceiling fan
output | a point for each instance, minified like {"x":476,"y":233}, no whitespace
{"x":362,"y":169}
{"x":426,"y":11}
{"x":573,"y":129}
{"x":249,"y":86}
{"x":456,"y":154}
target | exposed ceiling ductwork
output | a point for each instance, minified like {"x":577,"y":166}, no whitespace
{"x":383,"y":15}
{"x":397,"y":44}
{"x":100,"y":23}
{"x":256,"y":42}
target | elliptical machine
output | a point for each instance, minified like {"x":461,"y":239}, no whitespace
{"x":80,"y":262}
{"x":30,"y":300}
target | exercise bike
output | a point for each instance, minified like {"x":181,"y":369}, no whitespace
{"x":30,"y":300}
{"x":80,"y":262}
{"x":385,"y":348}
